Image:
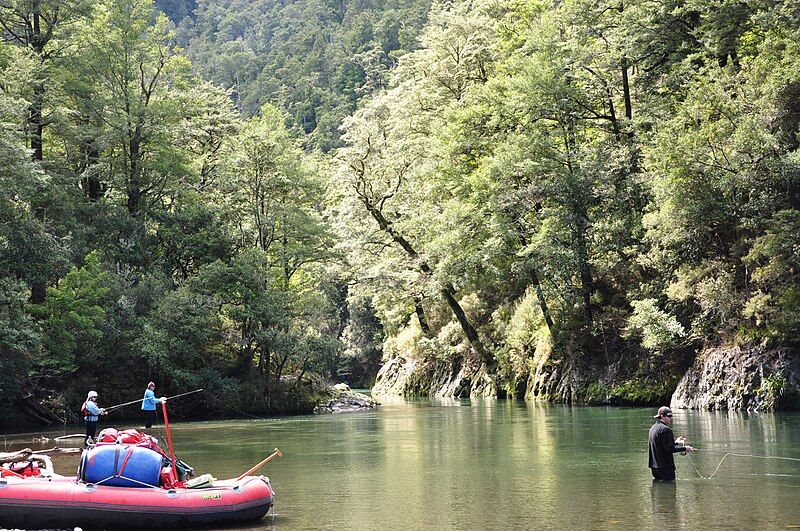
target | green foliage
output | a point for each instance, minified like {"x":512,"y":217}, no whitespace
{"x":362,"y":342}
{"x":658,"y":329}
{"x":773,"y":258}
{"x":774,"y":387}
{"x":314,"y":58}
{"x":176,"y":10}
{"x":71,"y":320}
{"x":179,"y":243}
{"x":635,"y":392}
{"x":20,"y":339}
{"x":194,"y":233}
{"x":521,"y":332}
{"x":180,"y":334}
{"x":554,"y":186}
{"x":590,"y":162}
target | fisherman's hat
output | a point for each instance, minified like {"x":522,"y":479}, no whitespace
{"x":663,"y":410}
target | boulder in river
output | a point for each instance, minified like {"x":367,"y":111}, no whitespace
{"x":344,"y":400}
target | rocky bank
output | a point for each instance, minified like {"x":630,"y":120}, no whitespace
{"x":433,"y":377}
{"x":734,"y":378}
{"x":741,"y":379}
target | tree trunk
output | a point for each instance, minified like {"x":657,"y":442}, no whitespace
{"x":423,"y":321}
{"x":279,"y":368}
{"x":37,"y":43}
{"x":36,"y":124}
{"x":626,"y":89}
{"x":38,"y":291}
{"x":612,"y":113}
{"x":134,"y":184}
{"x":585,"y":272}
{"x":466,"y":325}
{"x":299,"y":377}
{"x":542,"y":302}
{"x":93,"y":188}
{"x":266,"y":377}
{"x":447,"y":291}
{"x":36,"y":411}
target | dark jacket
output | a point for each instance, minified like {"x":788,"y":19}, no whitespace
{"x":662,"y":446}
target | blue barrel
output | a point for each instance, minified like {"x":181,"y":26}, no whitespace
{"x":126,"y":466}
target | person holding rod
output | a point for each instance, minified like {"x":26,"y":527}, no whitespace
{"x":149,"y":404}
{"x":662,"y":445}
{"x":91,"y":413}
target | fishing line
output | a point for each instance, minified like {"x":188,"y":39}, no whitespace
{"x":229,"y":406}
{"x":740,"y":455}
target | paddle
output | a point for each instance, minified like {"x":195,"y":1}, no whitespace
{"x":273,"y":455}
{"x":140,"y":399}
{"x":24,"y":453}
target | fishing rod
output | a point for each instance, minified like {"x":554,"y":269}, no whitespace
{"x":107,"y":409}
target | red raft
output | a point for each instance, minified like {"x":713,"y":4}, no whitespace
{"x":32,"y":502}
{"x":126,"y":480}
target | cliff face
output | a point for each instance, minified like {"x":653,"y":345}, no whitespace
{"x":432,"y":377}
{"x":734,"y":378}
{"x":741,"y":379}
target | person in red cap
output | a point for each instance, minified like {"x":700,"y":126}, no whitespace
{"x":663,"y":444}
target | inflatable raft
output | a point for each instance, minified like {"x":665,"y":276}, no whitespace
{"x":126,"y":481}
{"x":40,"y":502}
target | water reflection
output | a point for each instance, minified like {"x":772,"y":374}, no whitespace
{"x":664,"y":507}
{"x":445,"y":464}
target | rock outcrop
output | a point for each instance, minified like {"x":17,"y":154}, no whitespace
{"x":401,"y":376}
{"x":741,"y":379}
{"x":554,"y":379}
{"x":726,"y":378}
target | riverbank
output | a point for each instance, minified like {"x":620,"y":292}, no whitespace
{"x":315,"y":396}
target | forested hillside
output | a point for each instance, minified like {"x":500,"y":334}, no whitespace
{"x":574,"y":198}
{"x":554,"y":200}
{"x":316,"y":59}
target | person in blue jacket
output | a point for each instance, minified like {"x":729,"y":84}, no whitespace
{"x":149,"y":404}
{"x":91,"y":412}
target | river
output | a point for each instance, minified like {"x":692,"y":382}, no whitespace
{"x":461,"y":464}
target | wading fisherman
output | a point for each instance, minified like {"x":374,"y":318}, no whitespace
{"x":663,"y":444}
{"x":149,"y":405}
{"x":91,"y":412}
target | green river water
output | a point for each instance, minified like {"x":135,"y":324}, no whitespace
{"x":450,"y":464}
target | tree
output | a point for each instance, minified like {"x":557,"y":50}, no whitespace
{"x":72,"y":319}
{"x":42,"y":27}
{"x":273,"y":189}
{"x":314,"y":59}
{"x":391,"y":149}
{"x":20,"y":339}
{"x":138,"y":98}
